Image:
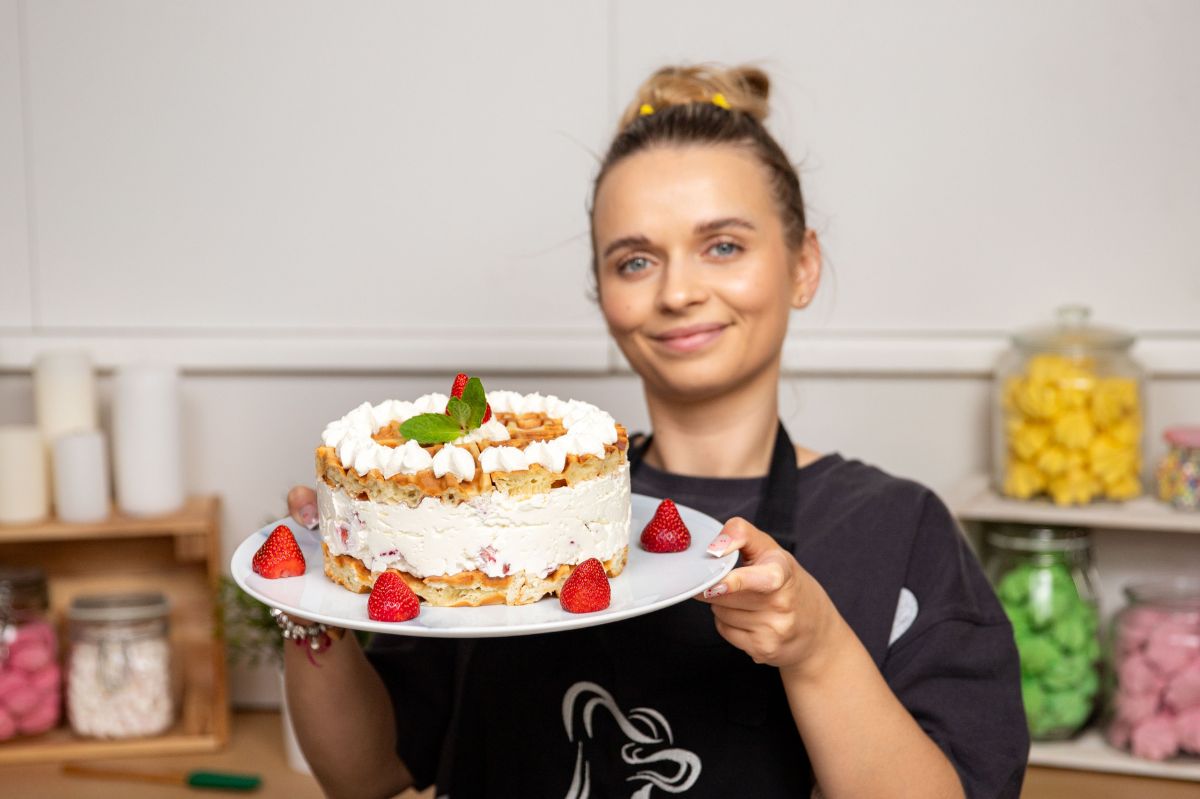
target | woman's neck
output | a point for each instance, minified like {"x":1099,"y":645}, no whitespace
{"x":731,"y":435}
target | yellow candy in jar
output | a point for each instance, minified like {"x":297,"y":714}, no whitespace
{"x":1113,"y":397}
{"x":1022,"y":480}
{"x":1110,"y":459}
{"x":1127,"y":432}
{"x":1053,"y":461}
{"x":1070,"y":433}
{"x":1074,"y":429}
{"x":1038,"y":400}
{"x":1075,"y":487}
{"x":1028,"y":439}
{"x":1124,"y":487}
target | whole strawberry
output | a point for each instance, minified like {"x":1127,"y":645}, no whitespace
{"x":460,"y":384}
{"x":666,"y":532}
{"x":279,"y":556}
{"x":392,"y":600}
{"x":587,"y":589}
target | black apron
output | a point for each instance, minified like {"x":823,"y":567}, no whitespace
{"x":715,"y":698}
{"x":776,"y":514}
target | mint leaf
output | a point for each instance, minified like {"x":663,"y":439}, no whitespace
{"x":474,"y":397}
{"x":431,"y":428}
{"x":459,"y":411}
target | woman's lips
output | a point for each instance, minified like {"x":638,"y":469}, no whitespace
{"x":690,"y":338}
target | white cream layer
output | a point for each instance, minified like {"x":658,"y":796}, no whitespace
{"x":494,"y":533}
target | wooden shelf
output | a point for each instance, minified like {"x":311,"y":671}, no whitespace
{"x":1090,"y":752}
{"x":177,"y":554}
{"x":976,"y":501}
{"x":194,"y":518}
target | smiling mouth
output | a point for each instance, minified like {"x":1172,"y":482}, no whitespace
{"x":690,"y":338}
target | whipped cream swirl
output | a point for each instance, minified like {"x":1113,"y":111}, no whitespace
{"x":588,"y":430}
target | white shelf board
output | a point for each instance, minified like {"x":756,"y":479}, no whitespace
{"x":1090,"y":752}
{"x":975,"y":500}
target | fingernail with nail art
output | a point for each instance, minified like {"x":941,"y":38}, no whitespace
{"x":716,"y":590}
{"x":308,"y":516}
{"x":719,"y":545}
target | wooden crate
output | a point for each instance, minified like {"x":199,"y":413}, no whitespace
{"x":177,"y":554}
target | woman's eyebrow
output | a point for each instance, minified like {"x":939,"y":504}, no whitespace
{"x":720,"y":224}
{"x":626,"y":241}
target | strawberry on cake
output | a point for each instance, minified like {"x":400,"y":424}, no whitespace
{"x":473,"y":499}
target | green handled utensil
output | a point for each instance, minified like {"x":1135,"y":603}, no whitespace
{"x":215,"y":780}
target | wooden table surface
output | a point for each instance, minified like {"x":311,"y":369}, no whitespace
{"x":257,"y":747}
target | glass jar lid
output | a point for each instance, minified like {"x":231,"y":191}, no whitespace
{"x":1183,"y":437}
{"x":1073,"y":335}
{"x":22,"y":588}
{"x":1179,"y":592}
{"x":1024,"y":538}
{"x":111,"y":608}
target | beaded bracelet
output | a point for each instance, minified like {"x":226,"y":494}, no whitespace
{"x":318,"y":636}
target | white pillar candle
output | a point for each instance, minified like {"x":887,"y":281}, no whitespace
{"x":147,"y":439}
{"x":64,"y":390}
{"x":81,"y":485}
{"x":24,"y":493}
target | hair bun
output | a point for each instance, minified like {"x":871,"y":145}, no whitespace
{"x":745,"y":88}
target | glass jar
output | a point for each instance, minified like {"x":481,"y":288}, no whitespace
{"x":30,"y":678}
{"x":1045,"y":581}
{"x":1154,"y":707}
{"x":1067,"y":414}
{"x":1179,"y":471}
{"x":119,"y":678}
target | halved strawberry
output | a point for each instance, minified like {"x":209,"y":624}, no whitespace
{"x":666,"y":532}
{"x":587,"y":589}
{"x":487,"y":413}
{"x":460,"y":383}
{"x":279,"y":556}
{"x":392,"y":600}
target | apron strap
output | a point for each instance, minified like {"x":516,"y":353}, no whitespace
{"x":776,"y":513}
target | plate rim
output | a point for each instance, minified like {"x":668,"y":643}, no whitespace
{"x":239,"y":571}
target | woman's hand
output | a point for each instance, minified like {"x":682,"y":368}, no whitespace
{"x":302,"y":506}
{"x":770,"y":607}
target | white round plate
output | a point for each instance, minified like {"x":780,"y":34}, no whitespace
{"x":650,"y":582}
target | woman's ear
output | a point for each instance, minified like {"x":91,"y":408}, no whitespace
{"x":806,"y":270}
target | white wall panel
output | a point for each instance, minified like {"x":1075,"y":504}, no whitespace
{"x":972,"y":165}
{"x":226,"y":165}
{"x":16,"y":309}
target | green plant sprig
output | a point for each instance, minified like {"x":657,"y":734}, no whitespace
{"x":461,"y":417}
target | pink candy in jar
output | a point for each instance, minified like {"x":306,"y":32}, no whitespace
{"x":1155,"y":711}
{"x":30,"y":677}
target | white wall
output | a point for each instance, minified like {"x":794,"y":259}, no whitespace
{"x":255,"y":185}
{"x":309,"y":205}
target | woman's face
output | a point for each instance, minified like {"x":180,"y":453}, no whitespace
{"x":696,"y":280}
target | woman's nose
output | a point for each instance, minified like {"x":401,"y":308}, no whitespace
{"x":682,"y":285}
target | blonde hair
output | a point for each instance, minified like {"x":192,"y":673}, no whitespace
{"x":675,"y":107}
{"x":744,"y":88}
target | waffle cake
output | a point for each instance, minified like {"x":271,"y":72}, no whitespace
{"x":499,"y":515}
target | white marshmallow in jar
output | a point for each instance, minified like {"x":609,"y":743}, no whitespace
{"x":119,"y":674}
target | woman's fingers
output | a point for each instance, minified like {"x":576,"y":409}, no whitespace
{"x":739,"y":534}
{"x":302,"y":506}
{"x":749,"y":585}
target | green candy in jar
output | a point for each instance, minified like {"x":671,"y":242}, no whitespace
{"x":1045,"y":587}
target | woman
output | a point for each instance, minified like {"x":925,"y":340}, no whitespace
{"x":856,"y":647}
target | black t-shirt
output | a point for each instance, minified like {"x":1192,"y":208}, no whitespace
{"x":661,"y":704}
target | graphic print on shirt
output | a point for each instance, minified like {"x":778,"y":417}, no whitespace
{"x":649,"y":749}
{"x":907,"y":608}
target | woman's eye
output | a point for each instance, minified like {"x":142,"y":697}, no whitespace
{"x":724,"y":249}
{"x":635,"y":264}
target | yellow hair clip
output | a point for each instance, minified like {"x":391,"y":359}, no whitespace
{"x":646,"y":110}
{"x":719,"y":100}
